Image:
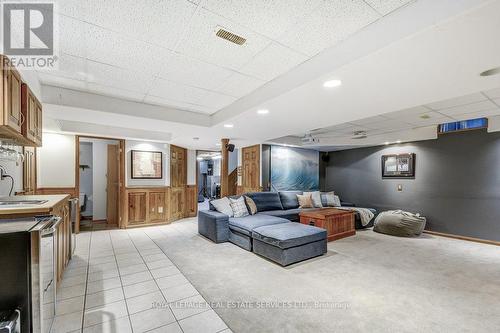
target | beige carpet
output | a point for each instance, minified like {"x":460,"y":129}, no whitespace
{"x":366,"y":283}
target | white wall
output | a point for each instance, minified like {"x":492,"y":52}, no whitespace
{"x":147,"y":146}
{"x":14,"y":169}
{"x":191,"y":167}
{"x":56,"y":161}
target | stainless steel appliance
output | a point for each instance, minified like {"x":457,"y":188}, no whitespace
{"x":28,"y":273}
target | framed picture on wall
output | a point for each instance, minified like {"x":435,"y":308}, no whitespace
{"x":398,"y":166}
{"x":147,"y":164}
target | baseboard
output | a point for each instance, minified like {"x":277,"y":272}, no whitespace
{"x":471,"y":239}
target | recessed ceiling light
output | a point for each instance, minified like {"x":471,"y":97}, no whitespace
{"x":196,"y":138}
{"x":263,"y":111}
{"x":425,"y":116}
{"x":386,"y":143}
{"x":228,"y":125}
{"x":399,"y":141}
{"x":490,"y":72}
{"x":332,"y":83}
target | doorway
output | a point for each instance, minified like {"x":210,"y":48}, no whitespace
{"x":208,"y":166}
{"x":99,"y":182}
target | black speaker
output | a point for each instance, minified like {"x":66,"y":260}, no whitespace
{"x":325,"y":157}
{"x":230,"y":147}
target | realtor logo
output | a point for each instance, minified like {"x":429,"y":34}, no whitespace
{"x":28,"y":34}
{"x":28,"y":28}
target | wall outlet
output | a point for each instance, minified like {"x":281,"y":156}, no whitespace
{"x":400,"y":188}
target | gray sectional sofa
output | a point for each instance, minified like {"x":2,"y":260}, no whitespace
{"x":272,"y":232}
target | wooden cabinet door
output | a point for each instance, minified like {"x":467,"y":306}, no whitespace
{"x":28,"y":111}
{"x":38,"y":122}
{"x":157,"y":211}
{"x":251,"y":168}
{"x":177,"y":203}
{"x":12,"y":99}
{"x":191,"y":201}
{"x":137,"y":207}
{"x":29,"y":173}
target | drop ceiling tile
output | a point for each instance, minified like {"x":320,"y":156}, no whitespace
{"x":114,"y":49}
{"x":216,"y":100}
{"x":494,"y":93}
{"x":423,"y":117}
{"x":273,"y":61}
{"x":239,"y":85}
{"x":480,"y":114}
{"x":331,"y":22}
{"x":157,"y":22}
{"x":177,"y":104}
{"x":270,"y":18}
{"x":384,"y":7}
{"x":462,"y":100}
{"x":404,"y":114}
{"x":72,"y":36}
{"x":68,"y":66}
{"x":177,"y":92}
{"x":120,"y":78}
{"x":115,"y":92}
{"x":390,"y":124}
{"x":190,"y":71}
{"x":58,"y":81}
{"x":419,"y":122}
{"x":469,"y":108}
{"x":201,"y":42}
{"x":369,"y":121}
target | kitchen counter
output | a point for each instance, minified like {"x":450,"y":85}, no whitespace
{"x":52,"y":201}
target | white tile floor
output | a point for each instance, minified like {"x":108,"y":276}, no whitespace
{"x":120,"y":281}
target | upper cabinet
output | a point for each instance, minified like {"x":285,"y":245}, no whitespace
{"x":21,"y":112}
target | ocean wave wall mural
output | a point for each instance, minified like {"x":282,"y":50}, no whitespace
{"x":294,"y":169}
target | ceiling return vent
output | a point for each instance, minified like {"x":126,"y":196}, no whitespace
{"x":229,"y":36}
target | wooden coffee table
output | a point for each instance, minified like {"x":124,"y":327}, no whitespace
{"x":338,"y":223}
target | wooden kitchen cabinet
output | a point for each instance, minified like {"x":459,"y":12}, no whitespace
{"x":21,"y":112}
{"x":137,"y":210}
{"x":62,"y":235}
{"x":11,"y":98}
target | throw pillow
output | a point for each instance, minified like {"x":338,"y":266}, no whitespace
{"x":332,"y":200}
{"x":223,"y":205}
{"x":305,"y":201}
{"x":316,"y":198}
{"x":252,"y":207}
{"x":239,"y":207}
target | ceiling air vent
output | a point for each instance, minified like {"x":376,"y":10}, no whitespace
{"x":229,"y":36}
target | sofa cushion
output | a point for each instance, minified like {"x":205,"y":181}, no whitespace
{"x":316,"y":198}
{"x":246,"y":224}
{"x":287,"y":235}
{"x":266,"y":200}
{"x":305,"y":201}
{"x":289,"y":214}
{"x":239,"y":207}
{"x":289,"y":199}
{"x":223,"y":206}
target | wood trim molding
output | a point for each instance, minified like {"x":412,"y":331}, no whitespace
{"x":470,"y":239}
{"x":224,"y":169}
{"x":72,"y":191}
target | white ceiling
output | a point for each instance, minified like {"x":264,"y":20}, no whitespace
{"x":423,"y":53}
{"x":398,"y":125}
{"x":166,"y":52}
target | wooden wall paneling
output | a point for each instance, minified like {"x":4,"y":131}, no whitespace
{"x":191,"y":201}
{"x":251,"y":169}
{"x":137,"y":207}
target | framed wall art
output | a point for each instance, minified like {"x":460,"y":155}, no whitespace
{"x":147,"y":164}
{"x":398,"y":166}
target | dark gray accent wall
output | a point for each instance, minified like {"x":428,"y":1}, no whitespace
{"x":456,"y":185}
